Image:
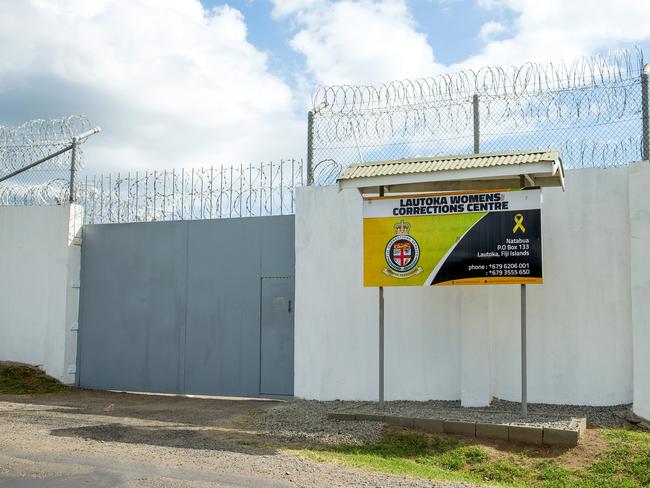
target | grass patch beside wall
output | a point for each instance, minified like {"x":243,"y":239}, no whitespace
{"x":610,"y":458}
{"x":20,"y":379}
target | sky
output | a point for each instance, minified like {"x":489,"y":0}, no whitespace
{"x":188,"y":83}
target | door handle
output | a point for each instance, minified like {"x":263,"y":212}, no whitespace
{"x":289,"y":307}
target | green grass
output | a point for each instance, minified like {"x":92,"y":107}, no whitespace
{"x":624,"y":462}
{"x":16,"y":379}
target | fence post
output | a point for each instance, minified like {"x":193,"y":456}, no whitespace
{"x":477,"y":128}
{"x":73,"y":168}
{"x":645,"y":99}
{"x":310,"y":148}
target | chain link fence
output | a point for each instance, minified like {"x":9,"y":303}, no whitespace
{"x":595,"y":111}
{"x":38,"y":160}
{"x":591,"y":110}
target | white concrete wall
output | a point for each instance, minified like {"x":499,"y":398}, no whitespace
{"x":464,"y":342}
{"x":39,"y":280}
{"x":579,"y":320}
{"x":639,"y":178}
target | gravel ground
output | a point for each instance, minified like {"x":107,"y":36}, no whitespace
{"x":304,"y":421}
{"x":103,"y":439}
{"x":307,"y":421}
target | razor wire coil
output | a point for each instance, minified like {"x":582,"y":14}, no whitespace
{"x":591,"y":110}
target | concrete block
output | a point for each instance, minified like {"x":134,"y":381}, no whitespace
{"x":560,"y":437}
{"x":401,"y":421}
{"x":433,"y":426}
{"x":579,"y":424}
{"x":492,"y":431}
{"x":341,"y":416}
{"x":459,"y":427}
{"x":370,"y":416}
{"x":525,"y":434}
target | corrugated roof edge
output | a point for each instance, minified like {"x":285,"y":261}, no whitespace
{"x":544,"y":155}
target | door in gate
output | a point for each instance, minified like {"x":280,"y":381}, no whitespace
{"x":276,"y":326}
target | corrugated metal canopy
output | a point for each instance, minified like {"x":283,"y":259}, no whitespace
{"x":468,"y":171}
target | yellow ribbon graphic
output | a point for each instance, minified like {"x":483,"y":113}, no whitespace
{"x":519,"y":224}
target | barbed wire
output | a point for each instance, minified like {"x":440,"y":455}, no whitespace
{"x":187,"y":194}
{"x":23,"y":144}
{"x":196,"y":193}
{"x":591,"y":110}
{"x":587,"y":107}
{"x":44,"y":131}
{"x":53,"y":192}
{"x":617,"y":66}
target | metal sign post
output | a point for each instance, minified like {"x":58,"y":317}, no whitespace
{"x":524,"y":362}
{"x":381,"y":336}
{"x":524,"y":378}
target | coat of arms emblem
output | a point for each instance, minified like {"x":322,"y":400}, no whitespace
{"x":402,"y":253}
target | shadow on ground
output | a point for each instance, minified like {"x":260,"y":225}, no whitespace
{"x":176,"y":437}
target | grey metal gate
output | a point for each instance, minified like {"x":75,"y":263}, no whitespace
{"x":188,"y":307}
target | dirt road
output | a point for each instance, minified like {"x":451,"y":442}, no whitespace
{"x":104,"y":439}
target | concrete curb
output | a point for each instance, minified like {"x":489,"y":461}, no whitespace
{"x":492,"y":431}
{"x":459,"y":427}
{"x":527,"y":434}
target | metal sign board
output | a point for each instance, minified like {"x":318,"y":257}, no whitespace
{"x":453,"y":238}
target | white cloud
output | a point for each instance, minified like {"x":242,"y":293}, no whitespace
{"x":362,"y":41}
{"x":489,"y":29}
{"x":171,"y":83}
{"x":371,"y":41}
{"x":283,"y":8}
{"x":489,"y":4}
{"x":563,"y":30}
